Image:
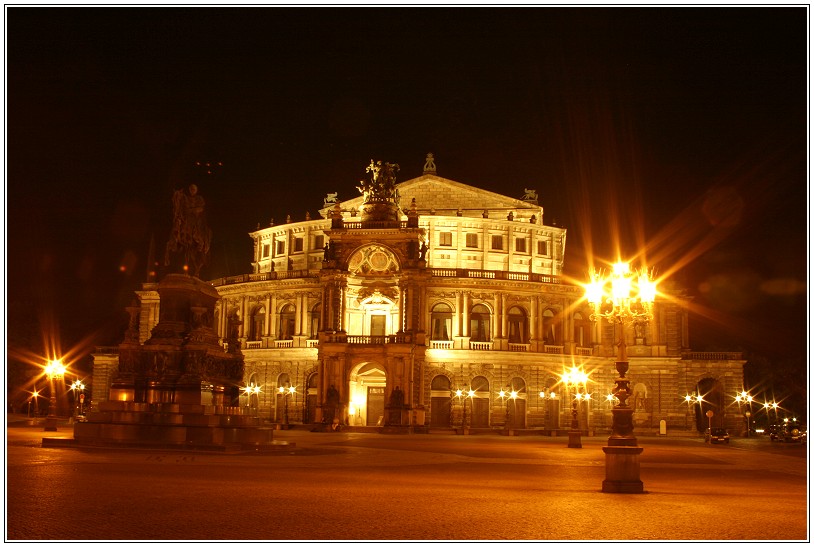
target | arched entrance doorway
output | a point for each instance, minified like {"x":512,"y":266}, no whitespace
{"x":311,"y":397}
{"x":441,"y":402}
{"x":366,"y":388}
{"x":516,"y":406}
{"x":480,"y":402}
{"x":712,"y":398}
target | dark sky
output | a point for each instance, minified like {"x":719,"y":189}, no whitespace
{"x":679,"y":130}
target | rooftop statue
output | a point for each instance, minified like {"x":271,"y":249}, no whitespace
{"x":381,"y":186}
{"x":190,"y":236}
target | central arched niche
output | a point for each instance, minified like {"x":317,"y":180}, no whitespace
{"x":366,"y":388}
{"x":373,"y":260}
{"x":373,"y":307}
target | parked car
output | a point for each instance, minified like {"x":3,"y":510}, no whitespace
{"x":793,"y":435}
{"x":776,"y":432}
{"x":718,"y":435}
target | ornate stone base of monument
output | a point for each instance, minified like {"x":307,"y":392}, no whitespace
{"x":181,"y":387}
{"x":170,"y":425}
{"x":622,"y":470}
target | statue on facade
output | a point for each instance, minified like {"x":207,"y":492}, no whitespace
{"x":381,"y":185}
{"x":190,"y":236}
{"x":397,"y":398}
{"x":331,"y":403}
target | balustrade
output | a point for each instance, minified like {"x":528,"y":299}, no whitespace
{"x":480,"y":346}
{"x":519,"y":347}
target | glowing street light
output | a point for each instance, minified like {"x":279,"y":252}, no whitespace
{"x":250,"y":390}
{"x":54,"y":370}
{"x":78,"y":387}
{"x":743,"y":398}
{"x":624,"y":297}
{"x":34,"y":395}
{"x":286,"y":392}
{"x":576,"y":379}
{"x":464,"y":395}
{"x":512,"y":394}
{"x":692,"y":400}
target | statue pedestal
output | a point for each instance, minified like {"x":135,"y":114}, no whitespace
{"x":622,"y":470}
{"x":181,"y":388}
{"x":171,"y":425}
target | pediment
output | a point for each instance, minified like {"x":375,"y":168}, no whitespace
{"x":446,"y":197}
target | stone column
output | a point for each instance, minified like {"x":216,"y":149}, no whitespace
{"x":269,"y":316}
{"x":456,"y":324}
{"x":533,"y":322}
{"x":273,"y":316}
{"x":465,"y":311}
{"x":504,"y":317}
{"x":298,"y":315}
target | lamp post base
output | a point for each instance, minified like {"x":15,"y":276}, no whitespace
{"x":574,"y":439}
{"x":622,"y":470}
{"x":50,"y":424}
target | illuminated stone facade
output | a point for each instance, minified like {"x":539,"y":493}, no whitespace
{"x":378,"y":315}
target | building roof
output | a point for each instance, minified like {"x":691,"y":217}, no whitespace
{"x":449,"y":197}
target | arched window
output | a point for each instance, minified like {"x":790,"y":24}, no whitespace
{"x":283,"y":380}
{"x":440,"y":383}
{"x":314,"y":321}
{"x":441,"y":322}
{"x":286,"y":330}
{"x":480,"y":327}
{"x":550,"y":335}
{"x":258,"y":323}
{"x":517,"y":384}
{"x":480,"y":385}
{"x":518,"y":326}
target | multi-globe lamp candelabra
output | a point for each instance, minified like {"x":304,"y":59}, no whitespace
{"x":622,"y":298}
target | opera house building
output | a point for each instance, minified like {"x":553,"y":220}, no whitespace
{"x":429,"y":305}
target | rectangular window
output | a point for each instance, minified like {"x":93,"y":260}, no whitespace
{"x":445,"y":239}
{"x":266,"y":250}
{"x":319,"y":242}
{"x":520,"y":245}
{"x":472,"y":241}
{"x":497,"y":243}
{"x":280,"y":248}
{"x":297,"y":244}
{"x":542,"y":248}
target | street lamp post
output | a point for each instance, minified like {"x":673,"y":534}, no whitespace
{"x":34,"y":395}
{"x":78,"y":387}
{"x":464,"y":395}
{"x":286,"y":392}
{"x":551,"y":396}
{"x":692,"y":400}
{"x":743,"y":398}
{"x":575,"y":379}
{"x":55,"y":370}
{"x":506,"y":395}
{"x":622,"y":298}
{"x":249,"y":391}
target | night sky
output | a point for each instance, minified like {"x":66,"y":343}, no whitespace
{"x":681,"y":131}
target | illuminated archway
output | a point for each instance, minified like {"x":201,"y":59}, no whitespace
{"x":367,"y":388}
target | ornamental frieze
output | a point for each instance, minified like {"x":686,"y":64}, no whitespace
{"x":442,"y":294}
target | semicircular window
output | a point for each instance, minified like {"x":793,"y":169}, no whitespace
{"x":373,"y":260}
